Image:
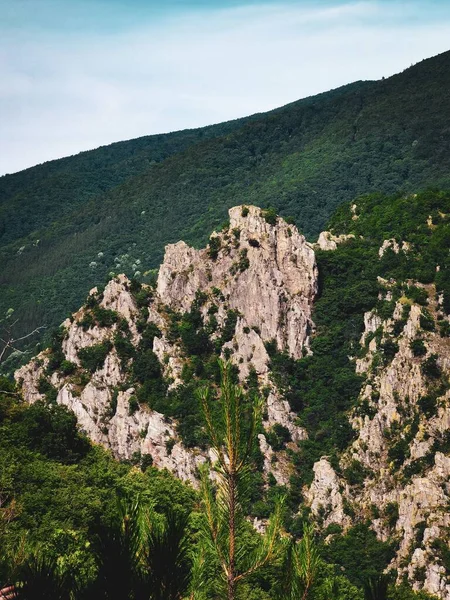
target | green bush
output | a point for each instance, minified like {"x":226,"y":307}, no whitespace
{"x":430,"y":368}
{"x":67,"y":367}
{"x":428,"y":405}
{"x":359,"y":553}
{"x":52,"y":431}
{"x":444,"y":329}
{"x":355,"y":473}
{"x":104,"y":317}
{"x":418,"y":347}
{"x":45,"y":387}
{"x":417,"y":294}
{"x":133,"y":405}
{"x":278,"y":436}
{"x":270,"y":216}
{"x":426,"y":320}
{"x":214,"y":247}
{"x":124,"y":348}
{"x":93,"y":357}
{"x":391,"y":514}
{"x":389,"y":348}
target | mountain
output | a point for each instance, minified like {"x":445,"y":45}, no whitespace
{"x":68,"y":224}
{"x":348,"y":342}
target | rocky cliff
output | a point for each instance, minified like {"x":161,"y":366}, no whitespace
{"x":254,"y":284}
{"x":129,"y":362}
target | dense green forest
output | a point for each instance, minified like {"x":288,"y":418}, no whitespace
{"x":66,"y":225}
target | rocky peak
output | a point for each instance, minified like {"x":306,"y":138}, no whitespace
{"x":263,"y":268}
{"x":254,"y":284}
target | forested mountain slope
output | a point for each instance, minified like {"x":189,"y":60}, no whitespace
{"x":67,"y":224}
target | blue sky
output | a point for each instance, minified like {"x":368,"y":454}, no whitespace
{"x":77,"y":74}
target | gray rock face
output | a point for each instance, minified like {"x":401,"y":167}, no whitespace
{"x":392,"y":436}
{"x":265,"y":273}
{"x":327,"y":241}
{"x":325,"y":495}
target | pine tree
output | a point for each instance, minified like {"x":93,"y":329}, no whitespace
{"x":231,"y":423}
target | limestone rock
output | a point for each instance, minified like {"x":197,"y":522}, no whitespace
{"x":328,"y":241}
{"x":265,"y":272}
{"x":325,"y":496}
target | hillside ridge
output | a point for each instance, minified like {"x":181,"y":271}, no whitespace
{"x":347,"y":341}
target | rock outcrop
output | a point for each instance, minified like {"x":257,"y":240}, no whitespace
{"x":402,"y":423}
{"x":257,"y":280}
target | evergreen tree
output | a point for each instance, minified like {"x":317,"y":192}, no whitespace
{"x":231,"y":423}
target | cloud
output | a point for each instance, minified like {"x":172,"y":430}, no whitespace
{"x":67,"y":90}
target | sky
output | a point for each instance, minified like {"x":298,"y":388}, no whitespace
{"x":78,"y":74}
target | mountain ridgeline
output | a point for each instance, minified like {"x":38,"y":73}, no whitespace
{"x":348,"y":343}
{"x":68,"y":224}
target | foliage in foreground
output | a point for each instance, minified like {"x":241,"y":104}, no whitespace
{"x":74,"y":523}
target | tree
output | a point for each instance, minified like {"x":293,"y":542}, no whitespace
{"x":9,"y":341}
{"x":37,"y":578}
{"x":231,"y":424}
{"x":142,"y":555}
{"x":300,"y":567}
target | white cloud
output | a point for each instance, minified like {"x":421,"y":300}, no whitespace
{"x":63,"y":93}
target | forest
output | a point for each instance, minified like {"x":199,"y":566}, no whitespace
{"x":67,"y":225}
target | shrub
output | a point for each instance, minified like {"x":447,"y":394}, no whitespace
{"x":143,"y":297}
{"x":93,"y":357}
{"x":49,"y":390}
{"x":417,"y":294}
{"x":270,"y":215}
{"x":399,"y":452}
{"x":428,"y":405}
{"x":355,"y":473}
{"x":426,"y":320}
{"x":67,"y":367}
{"x":92,"y":300}
{"x":214,"y":247}
{"x":170,"y":443}
{"x":124,"y":348}
{"x":417,"y":347}
{"x":391,"y":514}
{"x":278,"y":436}
{"x":146,"y":462}
{"x":389,"y":348}
{"x":244,"y":212}
{"x":104,"y":317}
{"x":146,"y":366}
{"x":133,"y":405}
{"x":430,"y":368}
{"x":244,"y":262}
{"x":359,"y":552}
{"x":87,"y":321}
{"x":52,"y":431}
{"x":444,"y":329}
{"x":386,"y":309}
{"x":229,"y":327}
